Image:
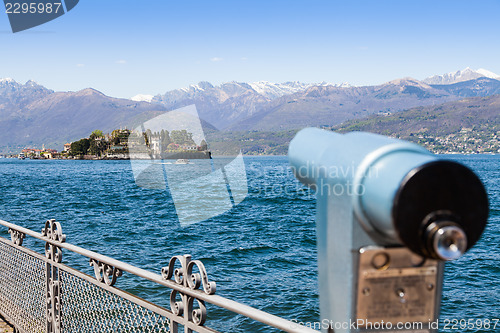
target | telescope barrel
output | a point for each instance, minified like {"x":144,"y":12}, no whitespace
{"x":401,"y":193}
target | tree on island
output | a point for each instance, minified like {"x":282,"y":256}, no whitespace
{"x":97,"y":143}
{"x":182,"y":137}
{"x":96,"y":134}
{"x":80,"y":147}
{"x":165,"y":139}
{"x":147,"y":137}
{"x":119,"y":137}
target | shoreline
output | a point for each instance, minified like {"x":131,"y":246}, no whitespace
{"x":173,"y":159}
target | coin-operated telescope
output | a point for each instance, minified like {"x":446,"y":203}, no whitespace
{"x":389,"y":214}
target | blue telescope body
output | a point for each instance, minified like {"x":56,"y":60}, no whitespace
{"x":375,"y":191}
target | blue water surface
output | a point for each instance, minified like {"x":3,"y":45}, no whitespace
{"x":261,"y":253}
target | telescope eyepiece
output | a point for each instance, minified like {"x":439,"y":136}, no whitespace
{"x":446,"y":240}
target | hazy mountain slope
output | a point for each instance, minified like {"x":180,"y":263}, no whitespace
{"x":482,"y":86}
{"x":471,"y":125}
{"x":478,"y":115}
{"x":65,"y":116}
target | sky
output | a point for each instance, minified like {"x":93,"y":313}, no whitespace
{"x":128,"y":47}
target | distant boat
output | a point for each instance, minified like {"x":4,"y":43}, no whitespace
{"x":21,"y":156}
{"x":182,"y":161}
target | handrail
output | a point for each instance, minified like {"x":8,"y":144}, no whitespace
{"x":222,"y":302}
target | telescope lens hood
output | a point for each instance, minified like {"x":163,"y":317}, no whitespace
{"x":439,"y":202}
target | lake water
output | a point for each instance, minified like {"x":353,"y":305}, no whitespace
{"x":262,"y":252}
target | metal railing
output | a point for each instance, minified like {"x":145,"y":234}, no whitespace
{"x":38,"y":293}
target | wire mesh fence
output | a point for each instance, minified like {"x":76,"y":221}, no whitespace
{"x":39,"y":293}
{"x":22,"y":288}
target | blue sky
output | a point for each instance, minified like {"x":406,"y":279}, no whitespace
{"x":127,"y":47}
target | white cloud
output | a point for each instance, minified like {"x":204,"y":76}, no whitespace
{"x":80,"y":65}
{"x":121,"y":62}
{"x":244,"y":58}
{"x":216,"y":59}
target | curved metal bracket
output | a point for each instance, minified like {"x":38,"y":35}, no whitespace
{"x":53,"y":231}
{"x":16,"y":237}
{"x":105,"y":273}
{"x":184,"y":275}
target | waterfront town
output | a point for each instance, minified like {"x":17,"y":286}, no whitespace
{"x":97,"y":146}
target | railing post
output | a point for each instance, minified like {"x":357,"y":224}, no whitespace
{"x":53,"y":253}
{"x":185,"y":276}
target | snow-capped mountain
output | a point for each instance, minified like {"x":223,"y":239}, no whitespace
{"x":142,"y":98}
{"x":276,"y":90}
{"x":460,"y":76}
{"x":7,"y":80}
{"x":227,"y":90}
{"x":408,"y":81}
{"x":11,"y":82}
{"x":15,"y":94}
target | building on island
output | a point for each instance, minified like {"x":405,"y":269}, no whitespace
{"x":40,"y":153}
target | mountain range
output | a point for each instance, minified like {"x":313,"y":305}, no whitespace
{"x":268,"y":106}
{"x":232,"y":102}
{"x":32,"y":115}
